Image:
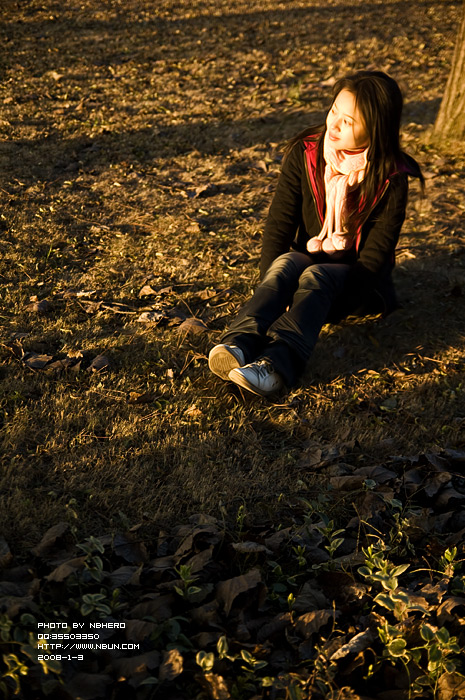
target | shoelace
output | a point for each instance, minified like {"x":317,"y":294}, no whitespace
{"x":264,"y":368}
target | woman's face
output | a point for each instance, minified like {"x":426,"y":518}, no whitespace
{"x":345,"y":126}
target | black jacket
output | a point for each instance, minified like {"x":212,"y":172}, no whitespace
{"x":296,"y":214}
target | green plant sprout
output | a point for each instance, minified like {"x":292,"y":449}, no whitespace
{"x":186,"y":590}
{"x":442,"y":653}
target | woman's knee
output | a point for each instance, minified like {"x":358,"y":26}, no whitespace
{"x":289,"y":265}
{"x":330,"y":277}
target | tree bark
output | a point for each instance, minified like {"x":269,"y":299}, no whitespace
{"x":450,"y":121}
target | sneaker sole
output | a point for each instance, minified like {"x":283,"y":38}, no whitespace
{"x":241,"y":381}
{"x":221,"y":362}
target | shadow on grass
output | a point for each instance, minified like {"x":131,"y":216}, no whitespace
{"x":151,"y":44}
{"x":224,"y":451}
{"x":160,"y":35}
{"x":55,"y":159}
{"x":208,"y":447}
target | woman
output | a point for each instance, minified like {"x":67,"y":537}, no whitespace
{"x":329,"y":239}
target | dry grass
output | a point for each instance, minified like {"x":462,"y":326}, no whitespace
{"x":113,"y":120}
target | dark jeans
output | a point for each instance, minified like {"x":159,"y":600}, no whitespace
{"x":283,"y":319}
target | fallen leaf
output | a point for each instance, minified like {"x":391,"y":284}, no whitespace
{"x":250,"y":548}
{"x":435,"y":593}
{"x":436,"y":461}
{"x":204,"y":522}
{"x":129,"y":667}
{"x":99,"y":363}
{"x":138,"y":630}
{"x":159,"y":608}
{"x":351,"y":482}
{"x":206,"y":532}
{"x":200,"y":560}
{"x":436,"y":482}
{"x":50,"y":539}
{"x":91,"y":307}
{"x":141,"y":398}
{"x":60,"y":365}
{"x":147,"y":290}
{"x":310,"y":598}
{"x":40,"y":307}
{"x":208,"y":190}
{"x":193,"y":411}
{"x":227,"y":591}
{"x":378,"y":473}
{"x":192,"y":325}
{"x":206,"y":614}
{"x":413,"y":478}
{"x":279,"y":538}
{"x":455,"y":455}
{"x":172,"y":665}
{"x":444,"y":610}
{"x":125,"y":576}
{"x":35,"y":361}
{"x":312,"y":622}
{"x":19,"y":589}
{"x":276,"y":625}
{"x":164,"y":563}
{"x":369,"y":504}
{"x":11,"y":606}
{"x":192,"y":227}
{"x":447,"y":495}
{"x":451,"y":686}
{"x":64,"y":570}
{"x":311,"y":457}
{"x":358,"y":643}
{"x":151,"y":317}
{"x":129,"y":549}
{"x":216,"y":686}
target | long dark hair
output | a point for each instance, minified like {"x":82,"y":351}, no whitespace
{"x":379,"y":100}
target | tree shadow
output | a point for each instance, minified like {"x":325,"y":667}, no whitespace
{"x":428,"y":322}
{"x":152,"y":45}
{"x":422,"y":112}
{"x":140,"y":35}
{"x":55,"y":158}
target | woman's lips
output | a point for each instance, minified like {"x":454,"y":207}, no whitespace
{"x":333,"y":138}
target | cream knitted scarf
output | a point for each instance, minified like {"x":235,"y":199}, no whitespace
{"x":343,"y":170}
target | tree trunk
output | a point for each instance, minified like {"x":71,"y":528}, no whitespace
{"x":450,"y":121}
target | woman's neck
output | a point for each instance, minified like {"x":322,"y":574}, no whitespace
{"x":350,"y":151}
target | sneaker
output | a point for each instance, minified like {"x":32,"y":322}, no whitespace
{"x":223,"y":358}
{"x":259,"y":377}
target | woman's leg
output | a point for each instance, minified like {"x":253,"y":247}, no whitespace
{"x":294,"y":334}
{"x":270,"y":300}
